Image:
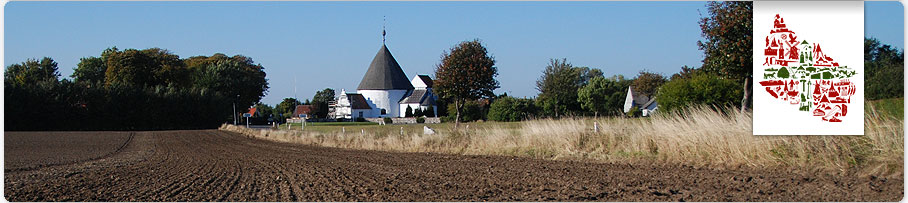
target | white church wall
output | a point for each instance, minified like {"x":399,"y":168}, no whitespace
{"x":403,"y":109}
{"x":384,"y":99}
{"x":366,"y":113}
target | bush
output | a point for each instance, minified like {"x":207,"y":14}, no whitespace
{"x":634,"y":112}
{"x":472,"y":111}
{"x":884,"y":70}
{"x":360,"y":119}
{"x":418,"y":112}
{"x":604,"y":96}
{"x":700,"y":89}
{"x":409,"y":112}
{"x":388,"y":120}
{"x":511,"y":109}
{"x":420,"y":119}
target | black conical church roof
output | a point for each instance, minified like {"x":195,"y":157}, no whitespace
{"x":384,"y":74}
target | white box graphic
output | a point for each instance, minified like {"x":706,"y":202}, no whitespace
{"x":808,"y":68}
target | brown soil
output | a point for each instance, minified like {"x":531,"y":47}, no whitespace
{"x":212,"y":165}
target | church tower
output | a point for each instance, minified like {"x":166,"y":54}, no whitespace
{"x":384,"y":84}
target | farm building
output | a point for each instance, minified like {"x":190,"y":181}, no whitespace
{"x":384,"y":91}
{"x":646,"y":105}
{"x":302,"y":111}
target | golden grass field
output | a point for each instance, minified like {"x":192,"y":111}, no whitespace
{"x":699,"y":137}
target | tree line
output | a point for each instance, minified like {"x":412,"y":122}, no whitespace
{"x":723,"y":81}
{"x":149,"y":89}
{"x":285,"y":109}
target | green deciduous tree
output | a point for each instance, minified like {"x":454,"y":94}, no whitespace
{"x":32,"y":72}
{"x":508,"y":108}
{"x":686,"y":72}
{"x":90,"y":70}
{"x":727,"y":32}
{"x":144,"y":68}
{"x":320,"y":102}
{"x":558,"y":87}
{"x":472,"y":111}
{"x":647,"y":83}
{"x":605,"y":96}
{"x":705,"y":89}
{"x":230,"y":76}
{"x":286,"y":107}
{"x":884,"y":66}
{"x":264,"y":110}
{"x":466,"y":72}
{"x":150,"y":90}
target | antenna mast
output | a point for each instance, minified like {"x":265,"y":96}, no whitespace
{"x":383,"y":33}
{"x":294,"y":88}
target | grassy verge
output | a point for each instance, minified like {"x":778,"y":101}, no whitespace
{"x":699,"y":137}
{"x":885,"y":108}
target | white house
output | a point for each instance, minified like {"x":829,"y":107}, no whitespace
{"x":385,"y":91}
{"x":646,"y":105}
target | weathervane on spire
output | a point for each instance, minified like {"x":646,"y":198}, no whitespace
{"x":383,"y":33}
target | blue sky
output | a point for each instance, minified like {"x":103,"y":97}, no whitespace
{"x":308,"y":46}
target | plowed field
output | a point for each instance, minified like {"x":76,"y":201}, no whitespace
{"x":210,"y":165}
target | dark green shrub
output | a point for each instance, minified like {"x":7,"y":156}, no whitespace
{"x":418,"y":112}
{"x":703,"y":89}
{"x":633,"y":112}
{"x":420,"y":119}
{"x":511,"y":109}
{"x":472,"y":111}
{"x":388,"y":120}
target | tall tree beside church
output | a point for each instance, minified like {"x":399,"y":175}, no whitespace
{"x":466,"y":72}
{"x":727,"y":32}
{"x":320,"y":102}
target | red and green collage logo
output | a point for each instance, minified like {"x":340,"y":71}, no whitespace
{"x":796,"y":71}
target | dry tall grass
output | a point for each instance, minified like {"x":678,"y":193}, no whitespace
{"x":699,"y":137}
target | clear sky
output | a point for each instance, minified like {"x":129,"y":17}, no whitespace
{"x":308,"y":46}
